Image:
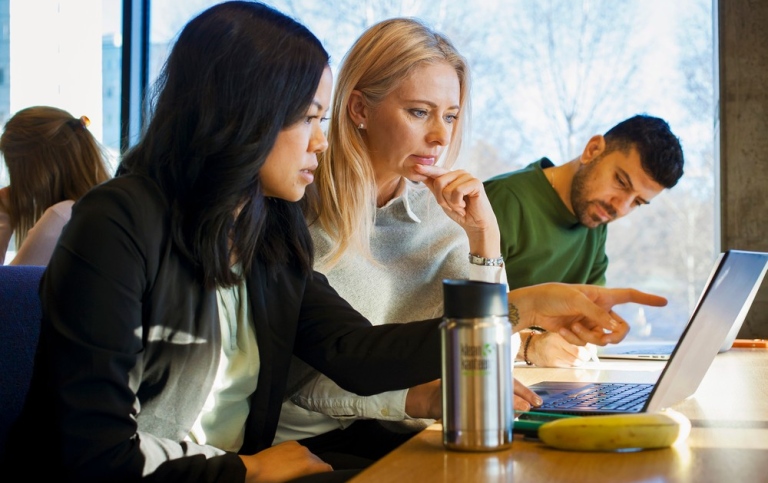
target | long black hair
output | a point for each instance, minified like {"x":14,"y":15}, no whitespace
{"x":238,"y":74}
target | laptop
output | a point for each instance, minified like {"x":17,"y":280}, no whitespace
{"x":662,"y":349}
{"x":723,"y":305}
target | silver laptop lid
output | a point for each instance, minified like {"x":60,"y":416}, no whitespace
{"x":724,"y":305}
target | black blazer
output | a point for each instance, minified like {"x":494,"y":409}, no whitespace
{"x":130,"y":342}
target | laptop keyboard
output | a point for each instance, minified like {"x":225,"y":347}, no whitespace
{"x":604,"y":396}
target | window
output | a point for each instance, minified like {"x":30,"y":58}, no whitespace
{"x":53,"y":53}
{"x":547,"y":75}
{"x":67,"y":67}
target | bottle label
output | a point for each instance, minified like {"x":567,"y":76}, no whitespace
{"x":476,"y":359}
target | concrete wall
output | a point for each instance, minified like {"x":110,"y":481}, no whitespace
{"x":742,"y":34}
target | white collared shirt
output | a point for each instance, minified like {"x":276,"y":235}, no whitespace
{"x":221,"y":423}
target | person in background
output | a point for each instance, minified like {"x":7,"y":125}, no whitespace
{"x":166,"y":338}
{"x":553,"y":219}
{"x":52,"y":160}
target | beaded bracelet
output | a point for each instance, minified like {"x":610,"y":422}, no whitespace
{"x":525,"y":348}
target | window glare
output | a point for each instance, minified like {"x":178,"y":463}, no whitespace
{"x":546,"y":76}
{"x":65,"y":70}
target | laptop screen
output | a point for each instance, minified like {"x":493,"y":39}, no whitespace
{"x":724,"y":304}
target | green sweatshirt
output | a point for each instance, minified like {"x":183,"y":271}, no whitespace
{"x":541,"y":240}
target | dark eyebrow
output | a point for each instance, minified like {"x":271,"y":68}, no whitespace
{"x":628,"y":179}
{"x":320,"y":109}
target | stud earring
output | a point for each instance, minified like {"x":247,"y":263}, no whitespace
{"x":361,"y":126}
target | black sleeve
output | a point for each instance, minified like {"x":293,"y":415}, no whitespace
{"x":361,"y":358}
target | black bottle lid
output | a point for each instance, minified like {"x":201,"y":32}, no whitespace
{"x":468,"y":299}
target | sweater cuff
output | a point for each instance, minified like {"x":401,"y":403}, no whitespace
{"x":482,"y":273}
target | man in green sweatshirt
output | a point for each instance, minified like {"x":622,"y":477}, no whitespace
{"x":553,"y":218}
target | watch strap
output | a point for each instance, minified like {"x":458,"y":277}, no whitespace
{"x":486,"y":262}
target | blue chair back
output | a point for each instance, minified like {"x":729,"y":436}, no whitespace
{"x":19,"y":331}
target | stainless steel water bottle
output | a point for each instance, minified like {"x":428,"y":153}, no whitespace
{"x":477,"y":382}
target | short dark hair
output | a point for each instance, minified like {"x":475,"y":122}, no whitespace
{"x":238,"y":74}
{"x":660,"y":152}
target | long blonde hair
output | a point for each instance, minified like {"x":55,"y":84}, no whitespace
{"x":345,"y":188}
{"x":51,"y":157}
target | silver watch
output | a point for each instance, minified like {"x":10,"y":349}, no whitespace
{"x":486,"y":262}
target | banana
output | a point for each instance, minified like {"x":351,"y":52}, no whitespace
{"x":616,"y":431}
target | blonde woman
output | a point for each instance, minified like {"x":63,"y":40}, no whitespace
{"x":53,"y":160}
{"x":378,"y":219}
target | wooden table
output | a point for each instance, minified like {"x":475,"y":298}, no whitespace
{"x":728,"y":441}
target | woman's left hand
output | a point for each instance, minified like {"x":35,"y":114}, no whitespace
{"x":425,"y":400}
{"x":525,"y":399}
